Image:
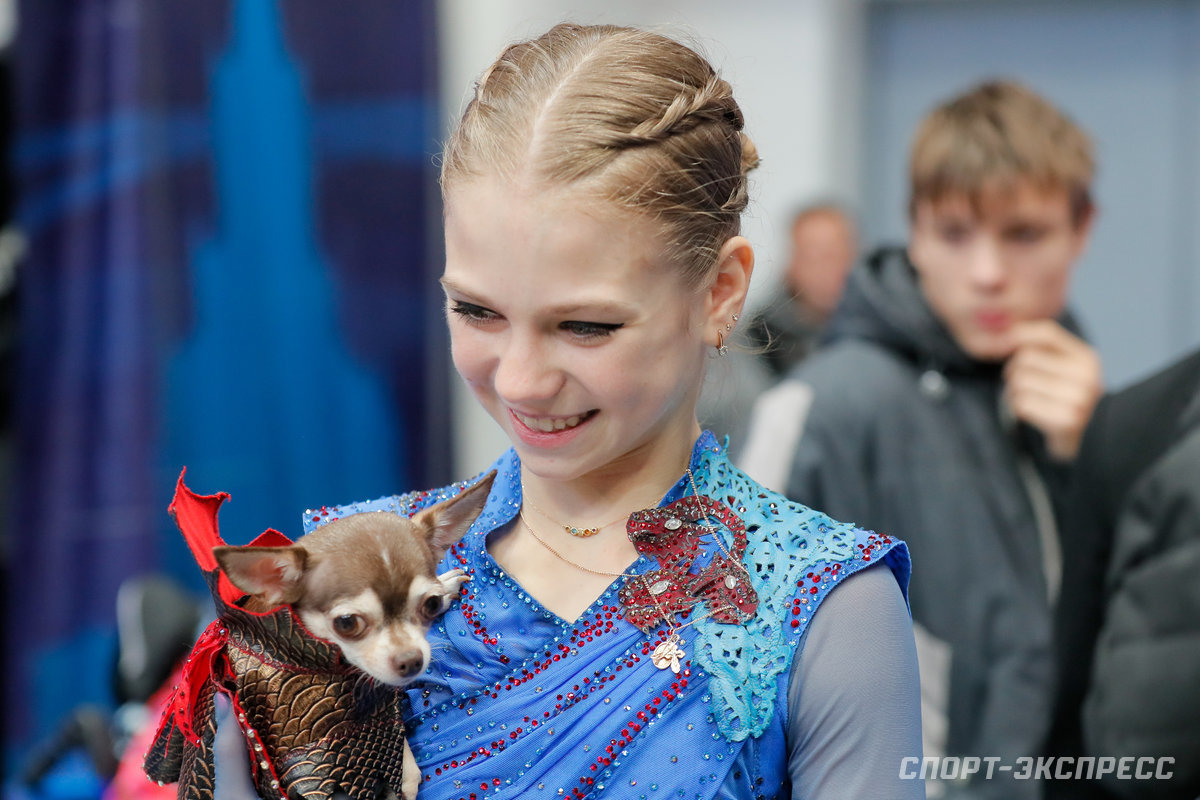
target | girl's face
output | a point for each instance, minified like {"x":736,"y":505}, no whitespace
{"x":572,"y":328}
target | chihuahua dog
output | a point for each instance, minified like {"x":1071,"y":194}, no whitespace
{"x":366,"y":583}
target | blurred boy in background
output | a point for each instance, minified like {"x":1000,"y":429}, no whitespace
{"x":947,"y":408}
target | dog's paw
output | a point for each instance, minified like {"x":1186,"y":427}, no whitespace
{"x":453,"y":580}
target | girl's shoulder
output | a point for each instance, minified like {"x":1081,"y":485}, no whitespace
{"x":795,"y":556}
{"x":501,"y":505}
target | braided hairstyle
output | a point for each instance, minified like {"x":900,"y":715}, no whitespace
{"x":633,"y":117}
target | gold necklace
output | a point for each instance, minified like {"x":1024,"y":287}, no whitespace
{"x":582,"y":533}
{"x":563,"y":558}
{"x":670,"y":650}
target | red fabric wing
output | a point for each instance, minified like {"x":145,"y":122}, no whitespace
{"x":196,"y":516}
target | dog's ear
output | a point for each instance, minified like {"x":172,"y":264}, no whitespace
{"x":272,"y":574}
{"x":446,"y":522}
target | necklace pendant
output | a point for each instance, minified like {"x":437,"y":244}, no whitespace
{"x":582,"y":533}
{"x":668,"y":654}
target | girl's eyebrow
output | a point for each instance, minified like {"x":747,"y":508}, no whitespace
{"x":566,"y":309}
{"x":452,"y":287}
{"x":597,"y":307}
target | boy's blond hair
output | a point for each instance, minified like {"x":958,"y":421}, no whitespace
{"x":993,"y":136}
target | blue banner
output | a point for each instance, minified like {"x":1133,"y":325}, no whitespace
{"x":231,"y":214}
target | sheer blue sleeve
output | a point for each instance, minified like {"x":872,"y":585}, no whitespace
{"x":854,"y":701}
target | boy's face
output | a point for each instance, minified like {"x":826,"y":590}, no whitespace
{"x":985,"y":273}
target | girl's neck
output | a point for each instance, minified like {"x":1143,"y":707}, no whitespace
{"x":637,"y":480}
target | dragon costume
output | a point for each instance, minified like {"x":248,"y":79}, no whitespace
{"x":314,"y":725}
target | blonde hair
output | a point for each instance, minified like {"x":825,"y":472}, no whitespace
{"x":638,"y":119}
{"x":994,"y":135}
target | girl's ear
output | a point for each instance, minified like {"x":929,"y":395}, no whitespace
{"x":727,"y":291}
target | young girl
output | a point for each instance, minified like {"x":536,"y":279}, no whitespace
{"x":642,"y":620}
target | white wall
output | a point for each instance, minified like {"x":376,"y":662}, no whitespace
{"x":795,"y":66}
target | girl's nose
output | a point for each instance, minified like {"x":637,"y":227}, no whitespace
{"x":525,"y":372}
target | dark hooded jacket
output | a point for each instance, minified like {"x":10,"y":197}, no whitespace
{"x":1129,"y":620}
{"x":892,"y":426}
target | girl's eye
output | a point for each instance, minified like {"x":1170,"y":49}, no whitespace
{"x":590,"y":330}
{"x":471,"y":312}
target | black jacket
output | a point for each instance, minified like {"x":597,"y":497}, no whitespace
{"x":1129,"y":621}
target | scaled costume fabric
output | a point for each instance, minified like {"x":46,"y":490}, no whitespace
{"x":314,"y":725}
{"x":521,"y":703}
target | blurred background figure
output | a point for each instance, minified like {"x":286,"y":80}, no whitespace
{"x":1129,"y":620}
{"x":946,"y":409}
{"x":824,"y":246}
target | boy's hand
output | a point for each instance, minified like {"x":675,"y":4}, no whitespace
{"x":1052,"y":381}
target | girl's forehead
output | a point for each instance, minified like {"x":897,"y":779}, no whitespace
{"x":493,"y":228}
{"x":529,"y":196}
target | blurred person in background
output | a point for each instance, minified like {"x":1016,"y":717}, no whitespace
{"x":947,"y":407}
{"x":823,"y":249}
{"x":824,"y":246}
{"x":1129,"y":620}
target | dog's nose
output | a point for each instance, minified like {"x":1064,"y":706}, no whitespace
{"x":408,"y":662}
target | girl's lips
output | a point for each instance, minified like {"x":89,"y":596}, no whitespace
{"x":549,"y":431}
{"x":550,"y":424}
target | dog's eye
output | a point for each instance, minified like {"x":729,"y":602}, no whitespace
{"x":432,"y":606}
{"x":349,"y":626}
